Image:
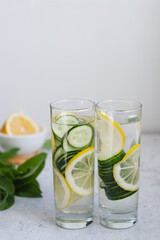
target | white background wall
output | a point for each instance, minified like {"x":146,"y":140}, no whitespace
{"x":95,"y":49}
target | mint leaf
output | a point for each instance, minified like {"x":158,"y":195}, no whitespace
{"x":6,"y":185}
{"x":31,"y":163}
{"x":7,"y":190}
{"x":29,"y":170}
{"x":32,"y":190}
{"x":19,"y":181}
{"x":7,"y":172}
{"x":6,"y":165}
{"x":47,"y":144}
{"x":9,"y":154}
{"x":6,"y":202}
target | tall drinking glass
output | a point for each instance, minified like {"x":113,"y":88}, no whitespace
{"x":118,"y":153}
{"x":72,"y":129}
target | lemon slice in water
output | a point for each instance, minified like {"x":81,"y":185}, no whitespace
{"x":112,"y":138}
{"x":80,"y":172}
{"x":126,"y":172}
{"x":53,"y":141}
{"x":74,"y":198}
{"x":62,"y":190}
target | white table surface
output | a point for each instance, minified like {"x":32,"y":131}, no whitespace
{"x":34,"y":218}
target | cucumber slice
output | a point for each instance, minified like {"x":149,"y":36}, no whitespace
{"x":114,"y":192}
{"x":58,"y":151}
{"x":67,"y":119}
{"x":63,"y":124}
{"x":59,"y":130}
{"x":111,"y":161}
{"x":105,"y":171}
{"x":66,"y":146}
{"x":80,"y":136}
{"x":64,"y":156}
{"x":63,"y":159}
{"x":105,"y":167}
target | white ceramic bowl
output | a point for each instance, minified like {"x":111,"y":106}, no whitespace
{"x":27,"y":144}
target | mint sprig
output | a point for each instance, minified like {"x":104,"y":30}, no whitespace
{"x":19,"y":181}
{"x":31,"y":189}
{"x":7,"y":190}
{"x":29,"y":170}
{"x":47,"y":145}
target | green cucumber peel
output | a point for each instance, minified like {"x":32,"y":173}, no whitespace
{"x":78,"y":126}
{"x":63,"y":160}
{"x":57,"y":152}
{"x":105,"y":170}
{"x":113,"y":160}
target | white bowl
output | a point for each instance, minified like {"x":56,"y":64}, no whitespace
{"x":27,"y":144}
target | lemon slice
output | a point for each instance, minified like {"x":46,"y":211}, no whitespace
{"x":62,"y":190}
{"x":20,"y":124}
{"x":53,"y":141}
{"x":126,"y":172}
{"x":112,"y":138}
{"x":80,"y":172}
{"x":74,"y":198}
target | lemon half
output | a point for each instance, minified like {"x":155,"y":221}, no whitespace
{"x":20,"y":124}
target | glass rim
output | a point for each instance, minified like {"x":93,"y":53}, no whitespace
{"x":138,"y":107}
{"x":92,"y":104}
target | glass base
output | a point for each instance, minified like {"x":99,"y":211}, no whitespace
{"x":74,"y":224}
{"x":73,"y":221}
{"x":117,"y":220}
{"x":117,"y":224}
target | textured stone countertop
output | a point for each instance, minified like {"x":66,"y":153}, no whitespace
{"x":33,"y":219}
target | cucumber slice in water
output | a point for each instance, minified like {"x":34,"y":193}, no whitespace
{"x":58,"y":151}
{"x":80,"y":136}
{"x":63,"y":124}
{"x":105,"y":171}
{"x":67,"y":119}
{"x":66,"y":146}
{"x":63,"y":159}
